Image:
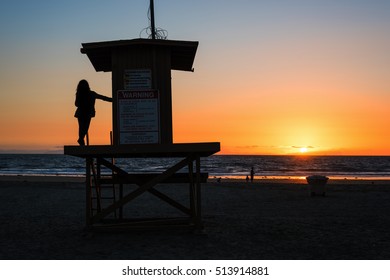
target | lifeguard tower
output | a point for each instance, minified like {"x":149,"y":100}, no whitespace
{"x":142,"y":128}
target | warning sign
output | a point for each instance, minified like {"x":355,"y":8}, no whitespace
{"x":138,"y":116}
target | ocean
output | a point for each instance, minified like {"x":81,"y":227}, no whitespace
{"x":224,"y":166}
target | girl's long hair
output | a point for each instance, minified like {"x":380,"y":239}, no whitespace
{"x":83,"y":86}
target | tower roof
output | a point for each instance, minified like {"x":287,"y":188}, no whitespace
{"x":100,"y":53}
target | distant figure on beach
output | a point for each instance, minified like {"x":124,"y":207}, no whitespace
{"x":247,"y":178}
{"x":252,"y":174}
{"x":85,"y":103}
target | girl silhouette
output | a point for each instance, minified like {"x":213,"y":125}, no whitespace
{"x":85,"y":103}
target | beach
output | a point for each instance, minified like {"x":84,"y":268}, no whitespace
{"x":43,"y":217}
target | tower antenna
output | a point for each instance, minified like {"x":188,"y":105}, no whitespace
{"x":153,"y":27}
{"x":151,"y":31}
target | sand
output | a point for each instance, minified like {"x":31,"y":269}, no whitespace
{"x":44,"y":218}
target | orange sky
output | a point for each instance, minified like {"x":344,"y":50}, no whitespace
{"x":315,"y":77}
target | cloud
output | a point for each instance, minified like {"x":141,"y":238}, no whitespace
{"x":299,"y":147}
{"x":247,"y":147}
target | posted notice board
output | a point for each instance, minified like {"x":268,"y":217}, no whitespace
{"x":137,"y":79}
{"x":138,"y":116}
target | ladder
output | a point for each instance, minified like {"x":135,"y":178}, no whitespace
{"x":101,"y":194}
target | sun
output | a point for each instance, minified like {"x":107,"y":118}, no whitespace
{"x":303,"y":150}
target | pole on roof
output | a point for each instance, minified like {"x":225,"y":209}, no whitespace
{"x":152,"y":20}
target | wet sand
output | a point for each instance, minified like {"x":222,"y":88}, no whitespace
{"x":44,"y":218}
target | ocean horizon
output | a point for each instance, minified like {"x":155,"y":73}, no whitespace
{"x":218,"y":166}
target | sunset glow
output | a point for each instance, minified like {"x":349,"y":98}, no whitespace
{"x":271,"y":77}
{"x":303,"y":150}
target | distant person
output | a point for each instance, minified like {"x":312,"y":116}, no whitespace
{"x":85,"y":103}
{"x":252,"y":174}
